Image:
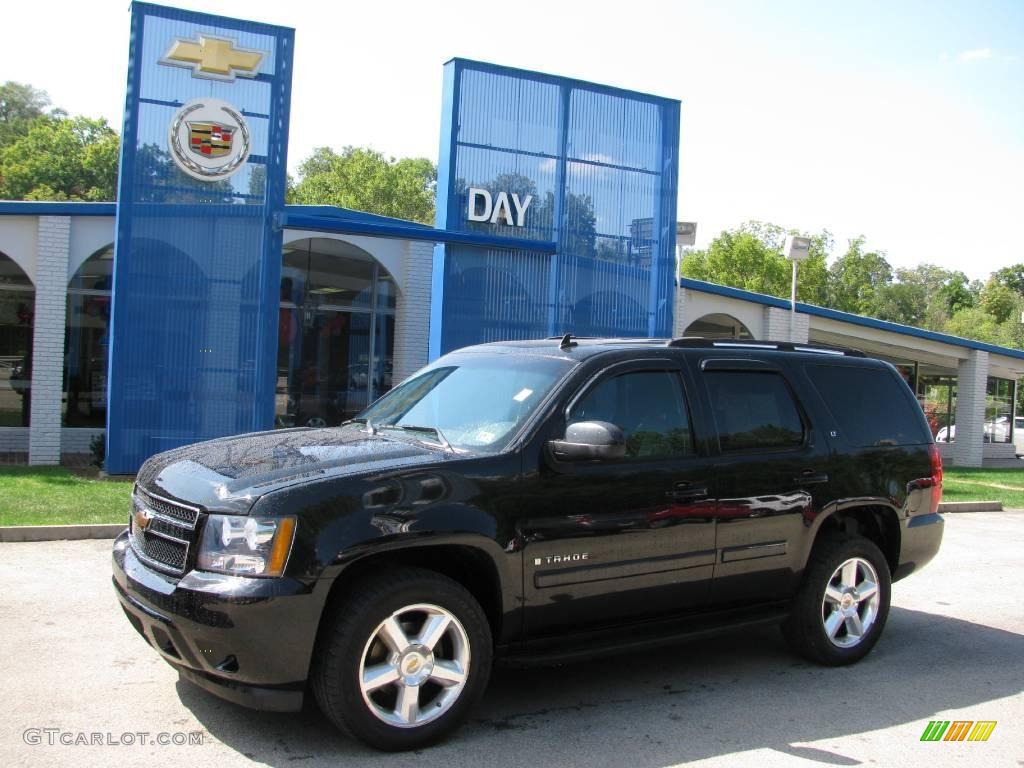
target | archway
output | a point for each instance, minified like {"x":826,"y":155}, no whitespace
{"x":718,"y":325}
{"x":336,"y":332}
{"x":87,"y":341}
{"x":17,"y":311}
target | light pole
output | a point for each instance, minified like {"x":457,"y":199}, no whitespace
{"x":686,"y":235}
{"x":796,"y":249}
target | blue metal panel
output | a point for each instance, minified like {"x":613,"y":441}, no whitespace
{"x":197,"y":262}
{"x":600,"y":164}
{"x":32,"y":208}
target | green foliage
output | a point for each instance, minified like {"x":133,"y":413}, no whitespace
{"x":856,"y":277}
{"x":366,"y":180}
{"x":1012,"y":277}
{"x":998,"y":301}
{"x":61,"y":158}
{"x":751,"y":258}
{"x":20,"y":105}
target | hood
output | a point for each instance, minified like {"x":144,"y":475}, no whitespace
{"x":230,"y":473}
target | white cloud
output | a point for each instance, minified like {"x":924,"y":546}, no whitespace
{"x":978,"y":54}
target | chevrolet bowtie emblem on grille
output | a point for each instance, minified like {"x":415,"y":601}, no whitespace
{"x":143,"y":517}
{"x":214,"y":58}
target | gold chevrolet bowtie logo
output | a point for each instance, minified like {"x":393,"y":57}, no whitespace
{"x":215,"y":58}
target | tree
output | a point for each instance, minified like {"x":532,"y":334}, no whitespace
{"x":925,"y":296}
{"x":366,"y":180}
{"x":20,"y":106}
{"x":1012,"y":277}
{"x":856,"y":277}
{"x":998,"y":301}
{"x":750,"y":258}
{"x":61,"y":158}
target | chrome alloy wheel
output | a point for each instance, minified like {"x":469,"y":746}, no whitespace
{"x":415,"y":665}
{"x":850,"y":606}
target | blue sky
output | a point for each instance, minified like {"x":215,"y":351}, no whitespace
{"x":903,"y":122}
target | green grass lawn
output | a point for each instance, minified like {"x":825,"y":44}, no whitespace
{"x":1005,"y":485}
{"x":55,"y":496}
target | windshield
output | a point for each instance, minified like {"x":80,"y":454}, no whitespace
{"x":474,"y":402}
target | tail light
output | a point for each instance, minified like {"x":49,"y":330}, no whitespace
{"x":936,"y":457}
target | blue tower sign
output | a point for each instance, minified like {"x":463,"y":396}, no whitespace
{"x":576,"y":185}
{"x":197,"y":259}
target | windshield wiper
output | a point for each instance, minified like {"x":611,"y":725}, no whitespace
{"x":414,"y":428}
{"x":370,"y":427}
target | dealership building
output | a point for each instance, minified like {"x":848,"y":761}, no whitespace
{"x":200,"y":305}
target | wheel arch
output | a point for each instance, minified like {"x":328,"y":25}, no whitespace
{"x":468,"y":563}
{"x":875,"y":519}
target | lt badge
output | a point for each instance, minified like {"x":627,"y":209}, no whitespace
{"x":209,"y":139}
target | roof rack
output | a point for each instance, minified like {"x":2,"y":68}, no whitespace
{"x":785,"y":346}
{"x":568,"y":341}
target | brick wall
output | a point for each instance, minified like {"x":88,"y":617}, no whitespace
{"x":51,"y":281}
{"x":776,"y":325}
{"x":972,"y":377}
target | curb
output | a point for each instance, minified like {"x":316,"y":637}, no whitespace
{"x":13,"y":533}
{"x":971,"y":506}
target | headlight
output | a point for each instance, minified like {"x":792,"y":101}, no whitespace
{"x":246,"y":546}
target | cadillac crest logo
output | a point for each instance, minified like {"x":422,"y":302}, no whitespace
{"x":209,"y":139}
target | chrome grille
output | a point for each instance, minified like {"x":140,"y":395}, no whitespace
{"x":165,"y":539}
{"x":168,"y":508}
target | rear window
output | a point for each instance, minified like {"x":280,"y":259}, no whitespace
{"x":871,"y":405}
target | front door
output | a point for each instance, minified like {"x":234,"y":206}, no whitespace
{"x":614,"y":540}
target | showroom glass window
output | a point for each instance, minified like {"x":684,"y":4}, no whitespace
{"x":87,"y":342}
{"x":998,"y":410}
{"x":17,"y":310}
{"x":336,"y":333}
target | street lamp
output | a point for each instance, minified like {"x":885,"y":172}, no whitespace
{"x":686,"y":235}
{"x":796,"y":249}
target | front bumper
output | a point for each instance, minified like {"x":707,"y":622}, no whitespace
{"x":246,"y":640}
{"x":920,"y":538}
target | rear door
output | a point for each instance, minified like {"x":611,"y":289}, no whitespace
{"x":609,"y":541}
{"x":771,"y":477}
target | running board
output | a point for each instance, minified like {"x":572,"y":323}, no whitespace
{"x":581,"y":646}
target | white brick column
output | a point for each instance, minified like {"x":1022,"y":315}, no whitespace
{"x":679,"y":319}
{"x":48,"y":338}
{"x":412,"y":311}
{"x":776,"y":326}
{"x":972,"y":377}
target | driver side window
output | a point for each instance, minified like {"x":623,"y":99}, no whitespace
{"x":648,"y":406}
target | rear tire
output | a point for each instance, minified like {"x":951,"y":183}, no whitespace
{"x":404,"y":660}
{"x":843,"y":602}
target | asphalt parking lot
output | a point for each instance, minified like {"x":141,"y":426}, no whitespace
{"x":953,"y":650}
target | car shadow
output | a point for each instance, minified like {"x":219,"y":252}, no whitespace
{"x":687,"y":702}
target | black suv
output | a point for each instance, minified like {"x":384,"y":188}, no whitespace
{"x":533,"y":501}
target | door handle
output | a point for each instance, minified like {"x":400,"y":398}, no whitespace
{"x":810,"y":477}
{"x":687,"y":492}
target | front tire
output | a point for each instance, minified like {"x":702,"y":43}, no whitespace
{"x":404,"y":660}
{"x":843,"y":602}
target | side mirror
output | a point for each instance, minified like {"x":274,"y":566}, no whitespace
{"x":587,"y":440}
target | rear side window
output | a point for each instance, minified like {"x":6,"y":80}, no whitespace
{"x":871,"y":406}
{"x":754,"y":411}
